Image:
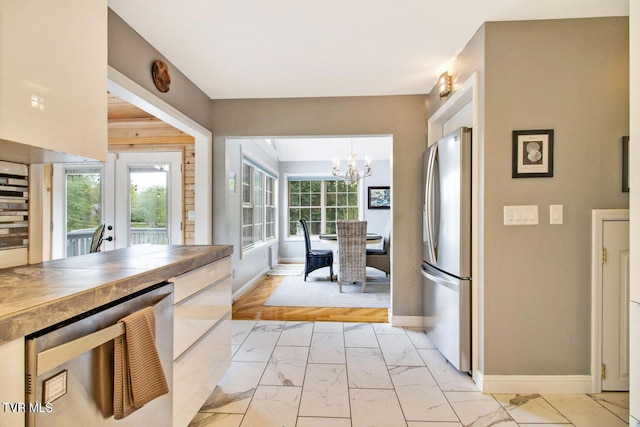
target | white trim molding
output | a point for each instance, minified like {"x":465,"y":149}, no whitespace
{"x":130,"y":91}
{"x":249,"y":285}
{"x":531,"y":384}
{"x":405,"y":321}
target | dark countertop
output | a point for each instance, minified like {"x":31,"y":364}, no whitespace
{"x":33,"y":297}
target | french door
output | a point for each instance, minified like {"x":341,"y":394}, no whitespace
{"x":138,"y":196}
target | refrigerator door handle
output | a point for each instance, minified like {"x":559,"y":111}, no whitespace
{"x":441,"y":279}
{"x":429,"y":205}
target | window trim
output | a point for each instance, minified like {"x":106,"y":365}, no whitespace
{"x":303,"y":176}
{"x":265,"y":174}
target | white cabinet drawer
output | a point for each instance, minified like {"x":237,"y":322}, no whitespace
{"x":195,"y":316}
{"x":198,"y":371}
{"x":189,"y":283}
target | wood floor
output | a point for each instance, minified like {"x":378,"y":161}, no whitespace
{"x":249,"y":307}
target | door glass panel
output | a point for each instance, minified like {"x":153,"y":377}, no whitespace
{"x":148,"y":204}
{"x":83,"y":208}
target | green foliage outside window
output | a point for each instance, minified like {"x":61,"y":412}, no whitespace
{"x":84,"y":201}
{"x":321,"y":203}
{"x":149,"y":207}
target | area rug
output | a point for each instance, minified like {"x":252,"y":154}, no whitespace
{"x":286,"y":270}
{"x":320,"y":292}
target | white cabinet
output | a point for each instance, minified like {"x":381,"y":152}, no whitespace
{"x":12,"y":380}
{"x":202,"y":336}
{"x":634,"y":381}
{"x":53,"y":79}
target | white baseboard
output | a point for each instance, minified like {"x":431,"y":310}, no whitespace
{"x":405,"y":321}
{"x":291,"y":260}
{"x":534,"y":384}
{"x":249,"y":285}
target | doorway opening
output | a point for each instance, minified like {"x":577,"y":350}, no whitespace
{"x":306,"y":189}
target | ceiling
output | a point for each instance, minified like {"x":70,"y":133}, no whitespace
{"x":309,"y":48}
{"x":365,"y":147}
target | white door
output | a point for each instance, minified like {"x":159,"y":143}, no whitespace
{"x":138,"y":196}
{"x":147,"y":199}
{"x":615,"y":305}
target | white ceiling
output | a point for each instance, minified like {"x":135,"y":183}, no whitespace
{"x":328,"y":149}
{"x":312,"y":48}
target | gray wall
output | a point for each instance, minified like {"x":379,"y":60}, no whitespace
{"x":133,"y":56}
{"x":403,"y":117}
{"x":570,"y":76}
{"x":254,"y":262}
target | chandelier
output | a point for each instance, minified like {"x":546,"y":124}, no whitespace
{"x":351,"y":175}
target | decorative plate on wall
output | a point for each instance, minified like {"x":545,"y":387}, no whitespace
{"x":161,"y":77}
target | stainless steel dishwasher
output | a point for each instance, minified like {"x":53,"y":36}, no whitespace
{"x":69,"y":366}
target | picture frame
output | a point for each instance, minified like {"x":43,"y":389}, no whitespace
{"x":379,"y":197}
{"x":625,"y":164}
{"x":532,"y":153}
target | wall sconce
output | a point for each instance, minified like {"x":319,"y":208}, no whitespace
{"x":445,"y":84}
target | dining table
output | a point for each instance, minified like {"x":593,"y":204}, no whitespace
{"x":372,"y":238}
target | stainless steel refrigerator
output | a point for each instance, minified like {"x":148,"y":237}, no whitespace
{"x":446,"y":251}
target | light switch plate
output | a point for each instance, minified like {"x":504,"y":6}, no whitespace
{"x":521,"y":215}
{"x":555,"y":214}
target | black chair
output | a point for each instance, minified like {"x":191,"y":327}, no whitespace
{"x":96,"y":240}
{"x":315,"y":258}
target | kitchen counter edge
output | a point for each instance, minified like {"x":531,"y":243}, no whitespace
{"x":37,"y":296}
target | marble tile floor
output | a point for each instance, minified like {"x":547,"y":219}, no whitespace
{"x":332,"y":374}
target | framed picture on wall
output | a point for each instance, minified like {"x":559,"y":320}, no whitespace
{"x":379,"y":197}
{"x":532,"y":153}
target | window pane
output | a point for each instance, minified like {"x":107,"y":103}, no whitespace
{"x":246,"y":183}
{"x":316,"y":214}
{"x":305,"y":214}
{"x":339,"y":201}
{"x":315,"y":227}
{"x":293,"y":228}
{"x":83,"y":207}
{"x":149,"y":204}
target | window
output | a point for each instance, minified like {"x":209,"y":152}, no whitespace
{"x":321,"y":203}
{"x":258,"y":206}
{"x":83,"y":207}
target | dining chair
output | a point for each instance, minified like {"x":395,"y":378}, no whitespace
{"x":352,"y":252}
{"x":381,"y":258}
{"x":96,"y":239}
{"x":315,"y":258}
